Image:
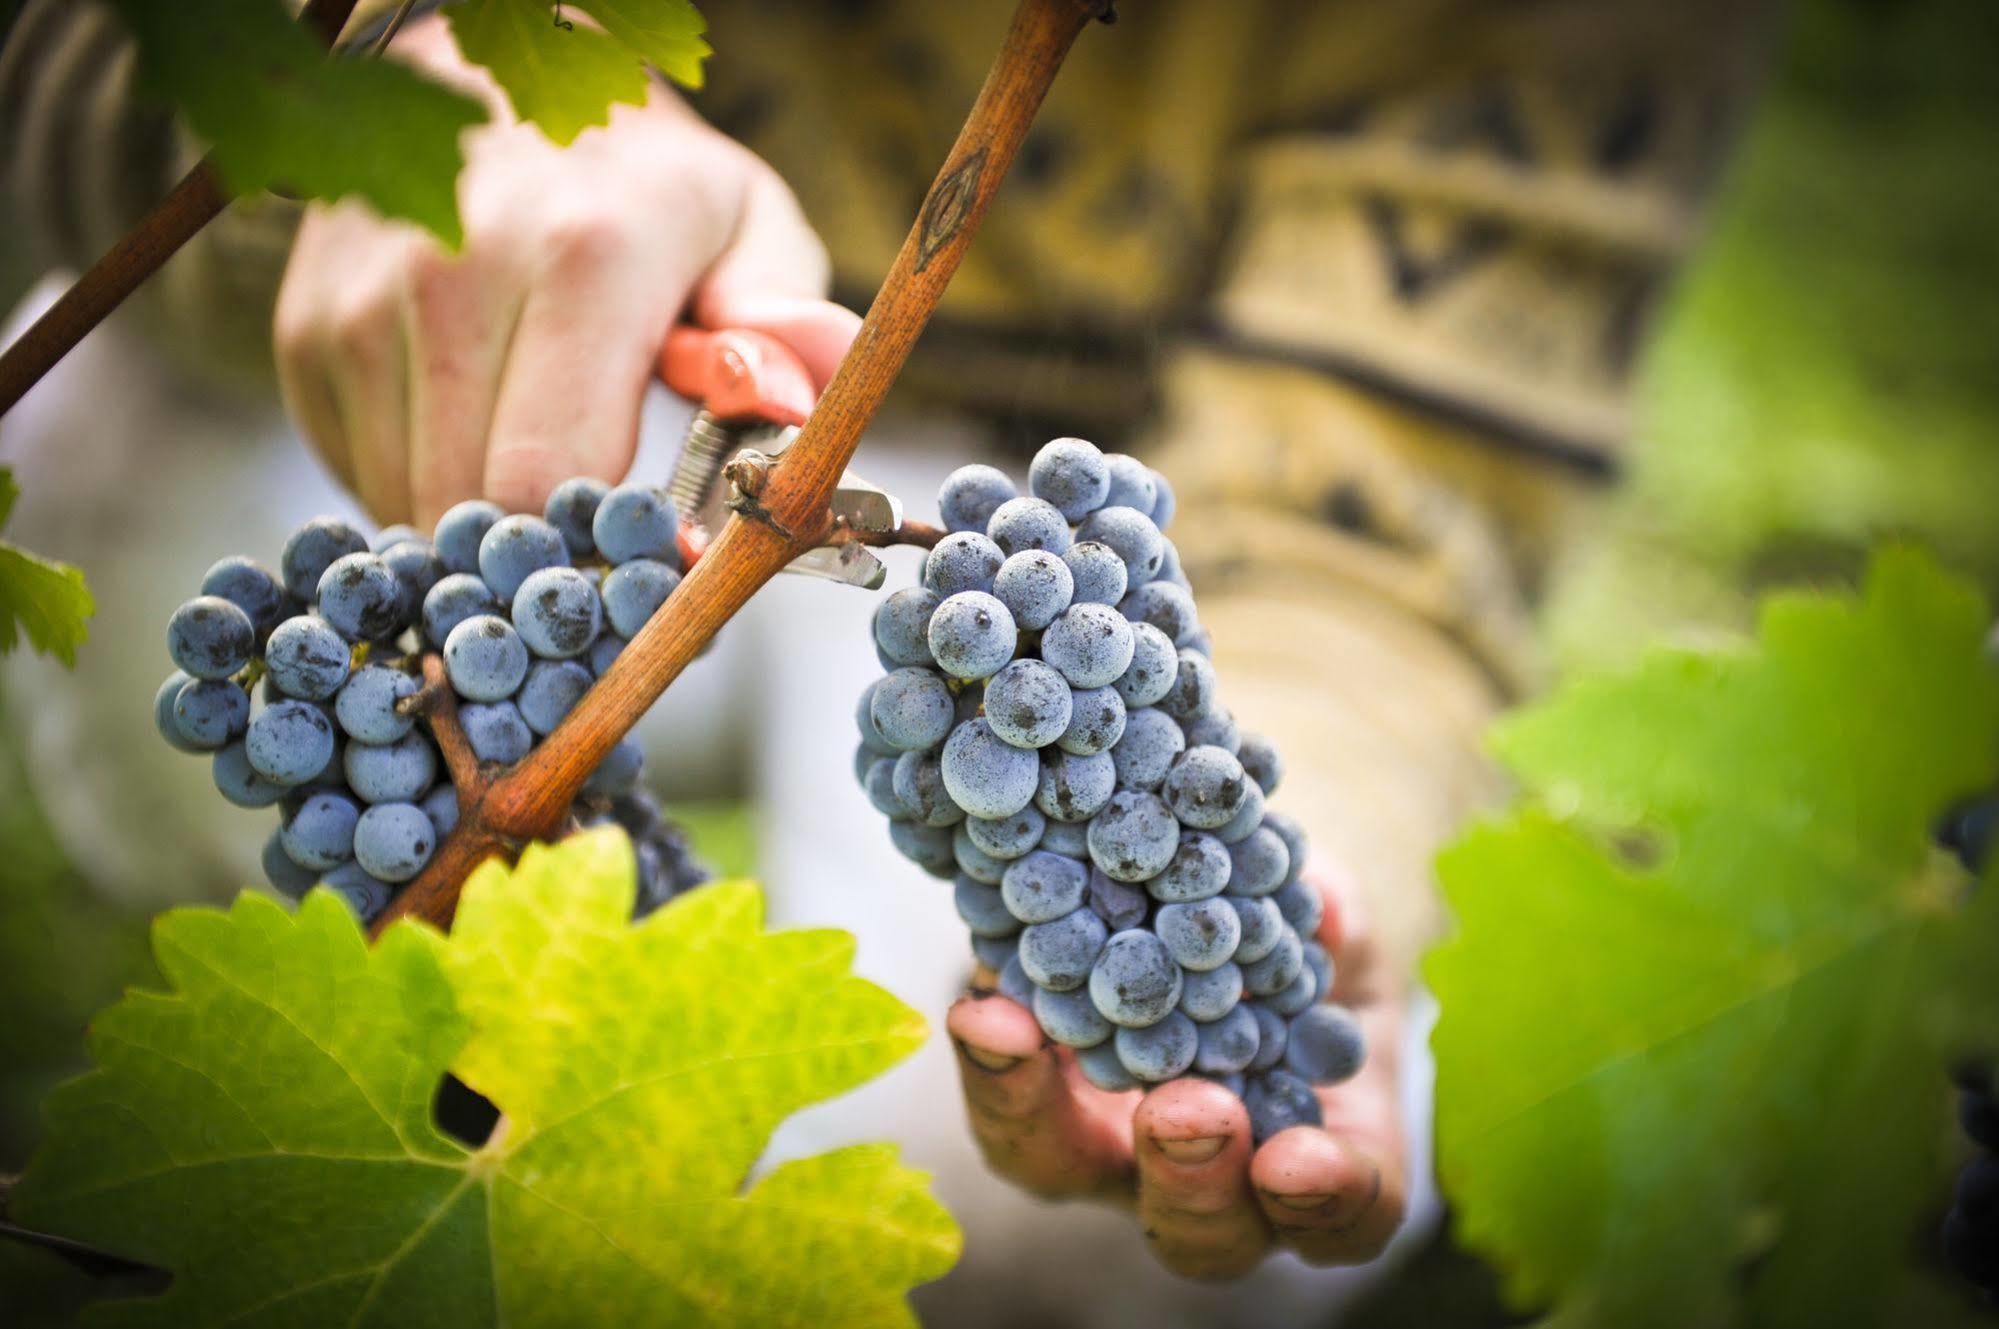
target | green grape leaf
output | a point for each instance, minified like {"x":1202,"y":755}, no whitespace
{"x":665,"y":33}
{"x":1704,"y":986}
{"x":263,"y":1128}
{"x":46,"y":600}
{"x":564,"y":79}
{"x":279,"y":114}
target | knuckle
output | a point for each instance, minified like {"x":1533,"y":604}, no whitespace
{"x":584,"y":239}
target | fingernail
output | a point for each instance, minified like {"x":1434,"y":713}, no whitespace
{"x":1197,"y":1150}
{"x":992,"y":1061}
{"x":1311,"y":1200}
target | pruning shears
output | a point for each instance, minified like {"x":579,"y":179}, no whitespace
{"x":754,"y":392}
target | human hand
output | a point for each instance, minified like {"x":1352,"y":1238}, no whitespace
{"x":1212,"y":1204}
{"x":425,"y":377}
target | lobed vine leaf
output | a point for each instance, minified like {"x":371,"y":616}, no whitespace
{"x":262,"y":1129}
{"x":279,"y":114}
{"x":566,"y":76}
{"x":1691,"y":1060}
{"x":44,"y":599}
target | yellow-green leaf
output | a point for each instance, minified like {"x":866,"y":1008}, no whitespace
{"x":44,"y":599}
{"x":563,"y":78}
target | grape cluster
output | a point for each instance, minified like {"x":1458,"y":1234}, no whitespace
{"x":1971,"y":1228}
{"x":1048,"y":737}
{"x":527,"y":612}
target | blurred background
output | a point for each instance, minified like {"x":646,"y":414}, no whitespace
{"x":1824,"y":373}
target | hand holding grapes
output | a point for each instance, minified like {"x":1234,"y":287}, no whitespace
{"x":425,"y":377}
{"x":1211,"y":1203}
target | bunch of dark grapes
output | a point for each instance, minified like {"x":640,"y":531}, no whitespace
{"x":1971,"y":1228}
{"x":1049,"y":738}
{"x":300,"y":682}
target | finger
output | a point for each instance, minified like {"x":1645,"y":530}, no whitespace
{"x":1037,"y":1122}
{"x":1192,"y":1144}
{"x":370,"y":381}
{"x":302,"y":354}
{"x":818,"y":332}
{"x":461,"y":315}
{"x":1334,"y":1198}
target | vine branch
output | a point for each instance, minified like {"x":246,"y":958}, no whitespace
{"x":193,"y":203}
{"x":529,"y":800}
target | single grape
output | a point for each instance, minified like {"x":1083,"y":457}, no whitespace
{"x":1065,"y":837}
{"x":633,"y":593}
{"x":1071,"y":475}
{"x":902,"y":625}
{"x":163,"y":713}
{"x":603,"y":651}
{"x":366,"y":707}
{"x":1211,"y":994}
{"x":551,"y":689}
{"x":995,"y":953}
{"x":929,"y":847}
{"x":1262,"y":927}
{"x":1096,"y":723}
{"x":973,"y":861}
{"x":1074,"y":788}
{"x":496,"y":731}
{"x":485,"y":658}
{"x":320,"y":835}
{"x":637,"y":521}
{"x":251,"y":587}
{"x":1293,"y":836}
{"x":1248,"y":818}
{"x":1035,"y":586}
{"x":1043,"y":887}
{"x":1101,"y":1067}
{"x":919,"y":783}
{"x":307,"y":659}
{"x":1193,"y":688}
{"x":1321,"y":964}
{"x":239,"y":781}
{"x":398,"y":772}
{"x":1258,"y":864}
{"x":557,"y":612}
{"x":984,"y":912}
{"x":1199,"y":934}
{"x":1029,"y":523}
{"x":1165,"y":504}
{"x":1131,"y":536}
{"x":453,"y":600}
{"x":1134,"y":837}
{"x":1301,"y":904}
{"x":1204,"y":787}
{"x":417,"y":569}
{"x":912,"y":709}
{"x":441,"y":806}
{"x":1007,"y":838}
{"x":286,"y":877}
{"x":620,"y":770}
{"x":1059,"y":955}
{"x":1215,"y":729}
{"x":312,"y":549}
{"x":972,"y":635}
{"x":1089,"y":644}
{"x":879,"y":784}
{"x":1155,"y":663}
{"x":1132,"y":485}
{"x":210,"y":637}
{"x":361,"y":598}
{"x":965,"y":561}
{"x":1326,"y":1045}
{"x":571,"y":508}
{"x":1135,"y":981}
{"x":1097,"y":571}
{"x":1147,"y":749}
{"x":289,"y":742}
{"x":393,"y":841}
{"x":1273,"y":973}
{"x":461,"y":530}
{"x":1166,"y":607}
{"x":1027,"y":704}
{"x":516,"y":548}
{"x":1070,"y":1018}
{"x":1120,"y":904}
{"x":1260,"y":761}
{"x":1228,"y":1042}
{"x":1272,"y":1032}
{"x":1160,"y":1051}
{"x":367,"y":896}
{"x":1277,"y":1101}
{"x":1014,"y":984}
{"x":1302,"y":992}
{"x":390,"y":536}
{"x":969,"y":494}
{"x":984,"y":775}
{"x":1198,"y":870}
{"x":209,"y":712}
